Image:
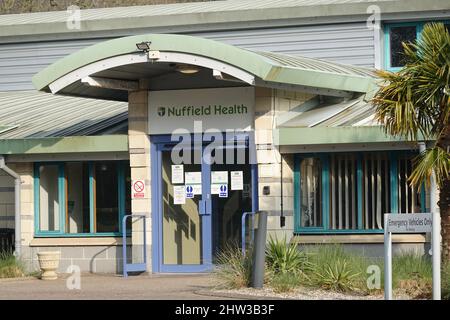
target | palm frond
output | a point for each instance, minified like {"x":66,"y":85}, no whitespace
{"x":435,"y":159}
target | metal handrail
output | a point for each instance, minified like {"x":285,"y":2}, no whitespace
{"x":133,"y":267}
{"x":244,"y":215}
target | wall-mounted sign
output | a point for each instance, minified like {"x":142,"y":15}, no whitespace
{"x":222,"y":109}
{"x":138,"y":189}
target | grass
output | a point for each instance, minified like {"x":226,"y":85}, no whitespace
{"x":10,"y":267}
{"x":330,"y":267}
{"x":234,"y":269}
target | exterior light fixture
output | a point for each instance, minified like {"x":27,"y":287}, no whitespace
{"x":187,"y":68}
{"x":144,"y":46}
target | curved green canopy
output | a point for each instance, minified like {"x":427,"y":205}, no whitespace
{"x":269,"y":67}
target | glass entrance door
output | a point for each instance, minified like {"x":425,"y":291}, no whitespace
{"x":186,"y":225}
{"x":199,"y":204}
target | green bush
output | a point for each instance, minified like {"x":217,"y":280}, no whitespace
{"x":283,"y":257}
{"x":10,"y":267}
{"x":233,"y":268}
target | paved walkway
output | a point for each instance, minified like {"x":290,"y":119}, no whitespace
{"x":170,"y":287}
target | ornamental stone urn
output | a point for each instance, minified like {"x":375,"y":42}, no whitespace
{"x":49,"y":262}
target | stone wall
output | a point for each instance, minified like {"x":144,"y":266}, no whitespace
{"x":139,"y":147}
{"x":269,"y":104}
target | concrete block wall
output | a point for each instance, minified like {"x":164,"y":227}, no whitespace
{"x":269,"y":104}
{"x":95,"y":259}
{"x":6,"y":201}
{"x":139,"y":149}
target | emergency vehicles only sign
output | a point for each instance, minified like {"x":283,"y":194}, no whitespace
{"x":409,"y":223}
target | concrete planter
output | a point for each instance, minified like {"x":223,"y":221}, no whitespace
{"x":49,"y":262}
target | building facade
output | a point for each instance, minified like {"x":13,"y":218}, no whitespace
{"x":192,"y":115}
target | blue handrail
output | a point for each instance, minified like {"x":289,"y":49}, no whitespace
{"x":133,"y":267}
{"x":244,"y":215}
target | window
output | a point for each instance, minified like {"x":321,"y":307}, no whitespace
{"x":350,"y":192}
{"x":395,"y":35}
{"x":81,"y":198}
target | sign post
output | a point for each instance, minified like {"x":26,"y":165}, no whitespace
{"x":412,"y":223}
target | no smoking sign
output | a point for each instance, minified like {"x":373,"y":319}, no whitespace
{"x":138,"y":189}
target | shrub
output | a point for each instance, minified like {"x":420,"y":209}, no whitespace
{"x":10,"y":267}
{"x":283,"y":257}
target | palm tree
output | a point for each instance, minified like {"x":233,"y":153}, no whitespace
{"x":415,"y":103}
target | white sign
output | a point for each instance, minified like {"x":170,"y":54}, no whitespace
{"x":237,"y":180}
{"x":193,"y":177}
{"x":197,"y":189}
{"x":409,"y":223}
{"x":222,"y":109}
{"x":215,"y":188}
{"x":179,"y":195}
{"x":220,"y":177}
{"x":177,"y":173}
{"x":223,"y":191}
{"x":138,"y":189}
{"x":189,"y":191}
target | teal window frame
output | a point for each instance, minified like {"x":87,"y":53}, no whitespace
{"x":325,"y":163}
{"x":387,"y":44}
{"x":61,"y":198}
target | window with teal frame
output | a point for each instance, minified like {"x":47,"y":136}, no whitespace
{"x":395,"y":34}
{"x":349,"y":192}
{"x":78,"y":199}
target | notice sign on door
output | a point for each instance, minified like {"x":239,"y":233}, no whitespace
{"x":177,"y":173}
{"x":189,"y":192}
{"x":223,"y":191}
{"x":138,"y":189}
{"x":237,"y":180}
{"x":179,"y":196}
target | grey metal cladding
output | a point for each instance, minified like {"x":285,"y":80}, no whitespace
{"x":347,"y":43}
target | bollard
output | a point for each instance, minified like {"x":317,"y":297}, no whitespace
{"x":259,"y":251}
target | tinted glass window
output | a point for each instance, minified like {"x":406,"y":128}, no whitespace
{"x":397,"y":36}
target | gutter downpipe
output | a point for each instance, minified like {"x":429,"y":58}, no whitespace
{"x":17,"y":190}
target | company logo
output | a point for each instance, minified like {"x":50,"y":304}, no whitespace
{"x":161,"y":111}
{"x":208,"y":110}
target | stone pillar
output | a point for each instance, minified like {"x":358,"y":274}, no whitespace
{"x":139,"y":149}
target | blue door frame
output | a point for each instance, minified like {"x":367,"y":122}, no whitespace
{"x":161,"y":143}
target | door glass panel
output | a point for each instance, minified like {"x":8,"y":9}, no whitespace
{"x":182,"y":224}
{"x":227,"y":209}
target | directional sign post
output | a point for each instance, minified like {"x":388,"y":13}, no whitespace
{"x":412,"y":223}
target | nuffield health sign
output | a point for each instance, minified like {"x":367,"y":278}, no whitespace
{"x":222,"y":109}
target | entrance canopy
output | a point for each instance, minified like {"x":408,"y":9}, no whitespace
{"x":109,"y":69}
